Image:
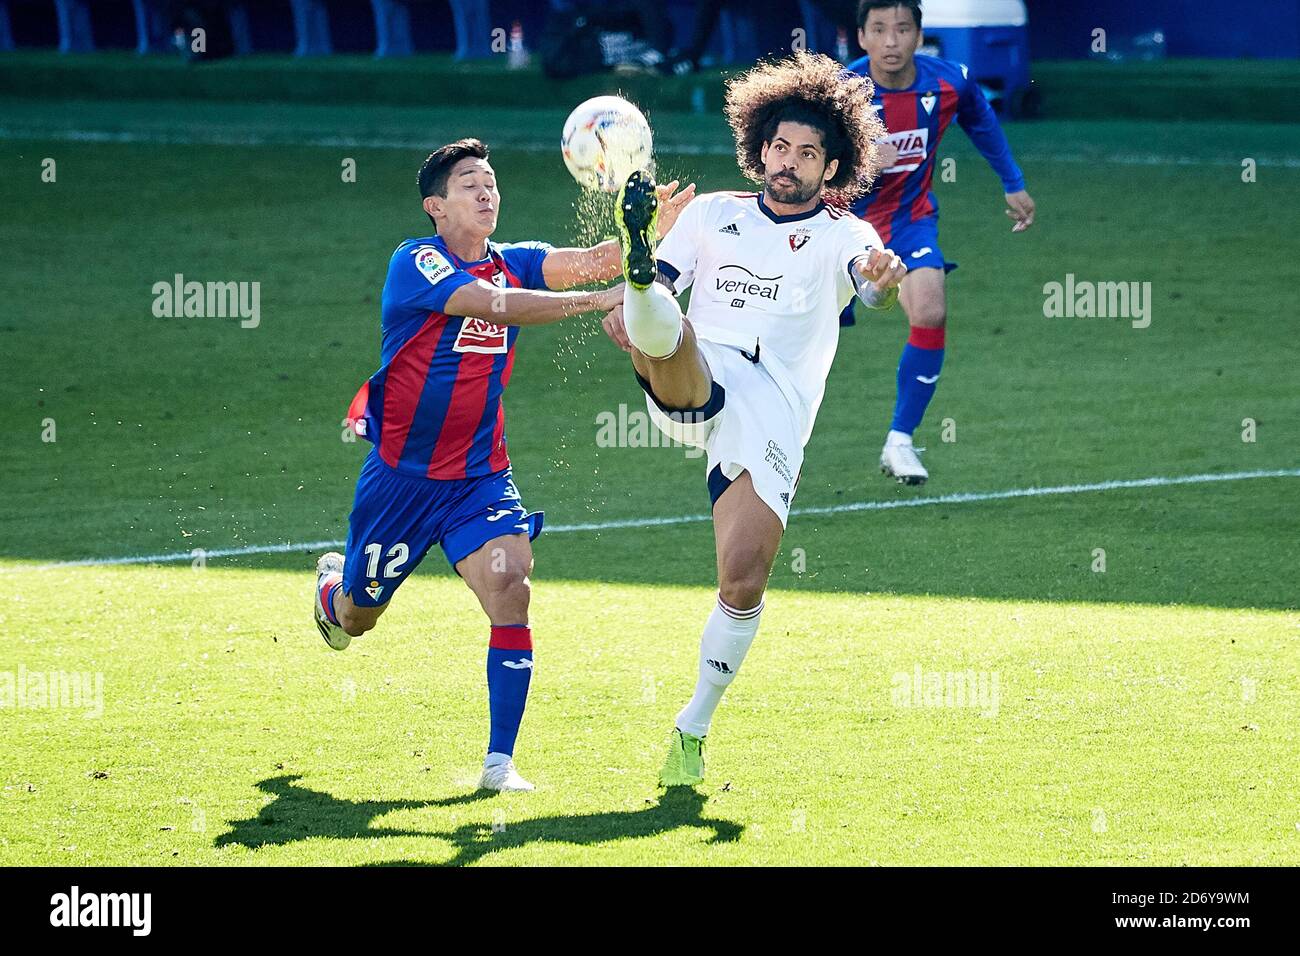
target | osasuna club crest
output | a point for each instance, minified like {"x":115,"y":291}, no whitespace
{"x":799,"y":238}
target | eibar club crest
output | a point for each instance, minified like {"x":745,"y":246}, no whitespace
{"x":927,"y":102}
{"x":799,"y":238}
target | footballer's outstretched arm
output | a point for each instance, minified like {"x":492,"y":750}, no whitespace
{"x":876,"y":277}
{"x":976,"y":117}
{"x":565,"y":268}
{"x":482,"y":300}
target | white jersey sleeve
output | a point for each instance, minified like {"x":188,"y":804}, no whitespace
{"x":857,"y":238}
{"x":680,"y":249}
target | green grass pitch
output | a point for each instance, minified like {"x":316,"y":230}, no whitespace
{"x":1140,"y":715}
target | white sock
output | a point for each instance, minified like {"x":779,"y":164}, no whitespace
{"x":493,"y":759}
{"x":653,"y":320}
{"x":898,"y":438}
{"x":727,"y":636}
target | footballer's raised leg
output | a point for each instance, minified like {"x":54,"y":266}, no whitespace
{"x":662,"y":343}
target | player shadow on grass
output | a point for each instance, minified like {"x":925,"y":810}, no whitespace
{"x":300,"y":813}
{"x":679,"y":807}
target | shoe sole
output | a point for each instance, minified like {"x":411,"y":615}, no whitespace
{"x":904,"y":479}
{"x":637,"y":215}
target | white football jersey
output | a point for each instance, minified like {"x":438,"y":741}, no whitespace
{"x":769,"y":284}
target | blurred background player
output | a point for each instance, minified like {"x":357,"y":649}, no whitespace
{"x":743,"y":375}
{"x":452,"y":307}
{"x":918,"y":97}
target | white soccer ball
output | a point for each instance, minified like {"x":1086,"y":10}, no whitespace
{"x":606,"y":139}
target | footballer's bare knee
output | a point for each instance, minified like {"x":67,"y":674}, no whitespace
{"x":498,"y":574}
{"x":508,"y":581}
{"x":924,"y":300}
{"x":505,"y":596}
{"x":747,"y":534}
{"x":743,"y":584}
{"x":927,"y":314}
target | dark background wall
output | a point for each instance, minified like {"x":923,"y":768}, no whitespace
{"x":1265,"y":28}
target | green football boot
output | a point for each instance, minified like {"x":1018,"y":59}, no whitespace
{"x":685,"y":764}
{"x":637,"y":216}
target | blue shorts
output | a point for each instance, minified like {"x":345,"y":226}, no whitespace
{"x":917,"y":244}
{"x":396,"y":518}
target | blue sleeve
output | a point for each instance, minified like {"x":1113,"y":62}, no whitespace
{"x":421,"y":279}
{"x":977,"y":118}
{"x":525,"y":260}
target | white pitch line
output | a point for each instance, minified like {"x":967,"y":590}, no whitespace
{"x":959,"y":498}
{"x":668,"y":147}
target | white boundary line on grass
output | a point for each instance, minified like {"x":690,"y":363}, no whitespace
{"x":958,"y":498}
{"x":670,"y":148}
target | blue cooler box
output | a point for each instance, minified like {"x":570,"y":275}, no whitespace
{"x":992,"y":38}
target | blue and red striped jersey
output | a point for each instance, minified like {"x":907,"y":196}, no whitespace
{"x":434,"y":407}
{"x":916,"y":119}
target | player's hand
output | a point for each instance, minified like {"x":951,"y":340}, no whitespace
{"x":1021,"y":210}
{"x":882,"y":268}
{"x":614,"y":328}
{"x":671,"y":204}
{"x":888,"y":154}
{"x":611,"y":297}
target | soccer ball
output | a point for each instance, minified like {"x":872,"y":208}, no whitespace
{"x":606,"y":139}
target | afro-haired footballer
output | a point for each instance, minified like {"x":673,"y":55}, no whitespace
{"x":743,"y":373}
{"x":918,"y":97}
{"x":439,"y":473}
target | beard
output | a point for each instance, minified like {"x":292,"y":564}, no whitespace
{"x":785,"y":188}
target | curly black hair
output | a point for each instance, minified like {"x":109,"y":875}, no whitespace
{"x":816,"y":90}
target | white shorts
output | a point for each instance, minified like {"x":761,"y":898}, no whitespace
{"x":748,"y":425}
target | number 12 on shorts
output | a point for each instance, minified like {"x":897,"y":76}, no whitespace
{"x":397,"y":555}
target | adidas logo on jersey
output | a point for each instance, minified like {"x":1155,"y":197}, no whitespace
{"x":730,"y":229}
{"x":719,"y":666}
{"x":785,"y":498}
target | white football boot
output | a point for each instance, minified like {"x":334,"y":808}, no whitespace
{"x":329,"y":568}
{"x":503,"y":777}
{"x":899,"y":459}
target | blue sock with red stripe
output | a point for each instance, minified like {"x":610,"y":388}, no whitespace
{"x":509,"y":672}
{"x":918,"y":375}
{"x":327,"y":599}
